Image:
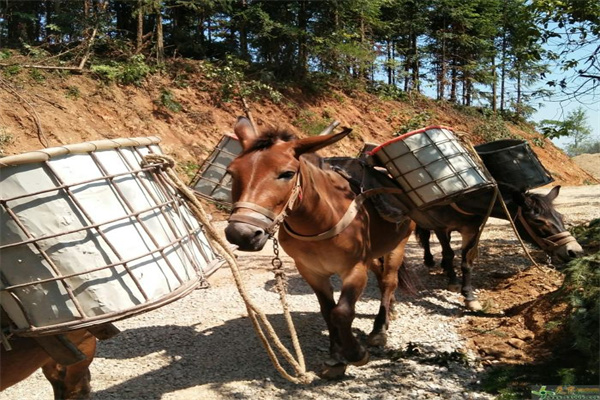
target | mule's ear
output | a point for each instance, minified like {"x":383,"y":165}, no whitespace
{"x":314,"y":143}
{"x":244,"y":131}
{"x":553,"y":194}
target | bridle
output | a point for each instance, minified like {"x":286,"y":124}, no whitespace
{"x":274,"y":219}
{"x":549,"y":244}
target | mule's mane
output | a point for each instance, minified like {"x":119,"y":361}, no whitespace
{"x":268,"y":138}
{"x":536,"y":202}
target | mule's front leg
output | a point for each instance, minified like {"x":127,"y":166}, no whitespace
{"x":335,"y":366}
{"x":468,"y":257}
{"x":72,"y":381}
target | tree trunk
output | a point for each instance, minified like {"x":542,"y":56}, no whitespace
{"x":244,"y":35}
{"x":160,"y":45}
{"x":394,"y":58}
{"x":453,"y":83}
{"x":415,"y":63}
{"x":468,"y":90}
{"x":519,"y":108}
{"x":302,"y":68}
{"x":389,"y":61}
{"x":362,"y":70}
{"x":140,"y":28}
{"x":503,"y":71}
{"x":494,"y":79}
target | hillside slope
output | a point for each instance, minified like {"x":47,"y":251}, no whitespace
{"x":76,"y":108}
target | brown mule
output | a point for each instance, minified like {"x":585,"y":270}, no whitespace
{"x":68,"y":381}
{"x":325,"y":228}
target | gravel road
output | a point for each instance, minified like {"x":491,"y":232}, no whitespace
{"x":204,"y":347}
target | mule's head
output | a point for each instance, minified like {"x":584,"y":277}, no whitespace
{"x":544,"y":225}
{"x":265,"y":176}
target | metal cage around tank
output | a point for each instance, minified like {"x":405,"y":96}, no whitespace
{"x":432,"y":167}
{"x":92,"y":234}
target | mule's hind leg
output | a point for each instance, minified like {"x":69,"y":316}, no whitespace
{"x":448,"y":260}
{"x":469,"y":239}
{"x":72,"y":381}
{"x":388,"y":283}
{"x":342,"y":315}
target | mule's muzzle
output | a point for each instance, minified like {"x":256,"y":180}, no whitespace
{"x":569,"y":251}
{"x":246,"y":236}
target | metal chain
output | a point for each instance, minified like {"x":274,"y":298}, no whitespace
{"x":277,"y":264}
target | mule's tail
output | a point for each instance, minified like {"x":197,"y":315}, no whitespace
{"x":408,"y":281}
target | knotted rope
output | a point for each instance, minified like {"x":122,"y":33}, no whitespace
{"x":262,"y":326}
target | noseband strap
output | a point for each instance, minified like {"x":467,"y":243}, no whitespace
{"x":548,"y":244}
{"x":255,"y":207}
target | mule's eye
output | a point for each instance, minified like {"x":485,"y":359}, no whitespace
{"x":287,"y":175}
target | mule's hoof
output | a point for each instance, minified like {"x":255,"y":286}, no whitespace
{"x":377,"y":339}
{"x":473,"y":305}
{"x":454,"y":287}
{"x":429,"y":264}
{"x":363,"y":361}
{"x":333,"y":369}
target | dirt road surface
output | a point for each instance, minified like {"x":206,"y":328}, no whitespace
{"x":204,"y":347}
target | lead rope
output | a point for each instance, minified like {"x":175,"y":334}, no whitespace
{"x":257,"y":317}
{"x":281,"y":288}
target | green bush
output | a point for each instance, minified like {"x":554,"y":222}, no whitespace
{"x":581,"y":289}
{"x":387,"y":92}
{"x":233,"y":83}
{"x":131,"y":72}
{"x":167,"y":100}
{"x":417,"y":121}
{"x":73,"y":93}
{"x":37,"y":75}
{"x":493,"y":128}
{"x":311,"y":123}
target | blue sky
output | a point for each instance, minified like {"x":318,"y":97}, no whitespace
{"x":556,"y":108}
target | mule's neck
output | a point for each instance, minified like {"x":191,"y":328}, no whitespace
{"x":323,"y":202}
{"x":481,"y":204}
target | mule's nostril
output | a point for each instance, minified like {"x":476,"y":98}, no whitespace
{"x":258,"y":232}
{"x":572,"y":254}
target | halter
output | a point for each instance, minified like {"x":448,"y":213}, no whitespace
{"x":275,"y":219}
{"x":548,"y":244}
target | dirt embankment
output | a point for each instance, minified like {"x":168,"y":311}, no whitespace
{"x":70,"y":109}
{"x":589,"y":163}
